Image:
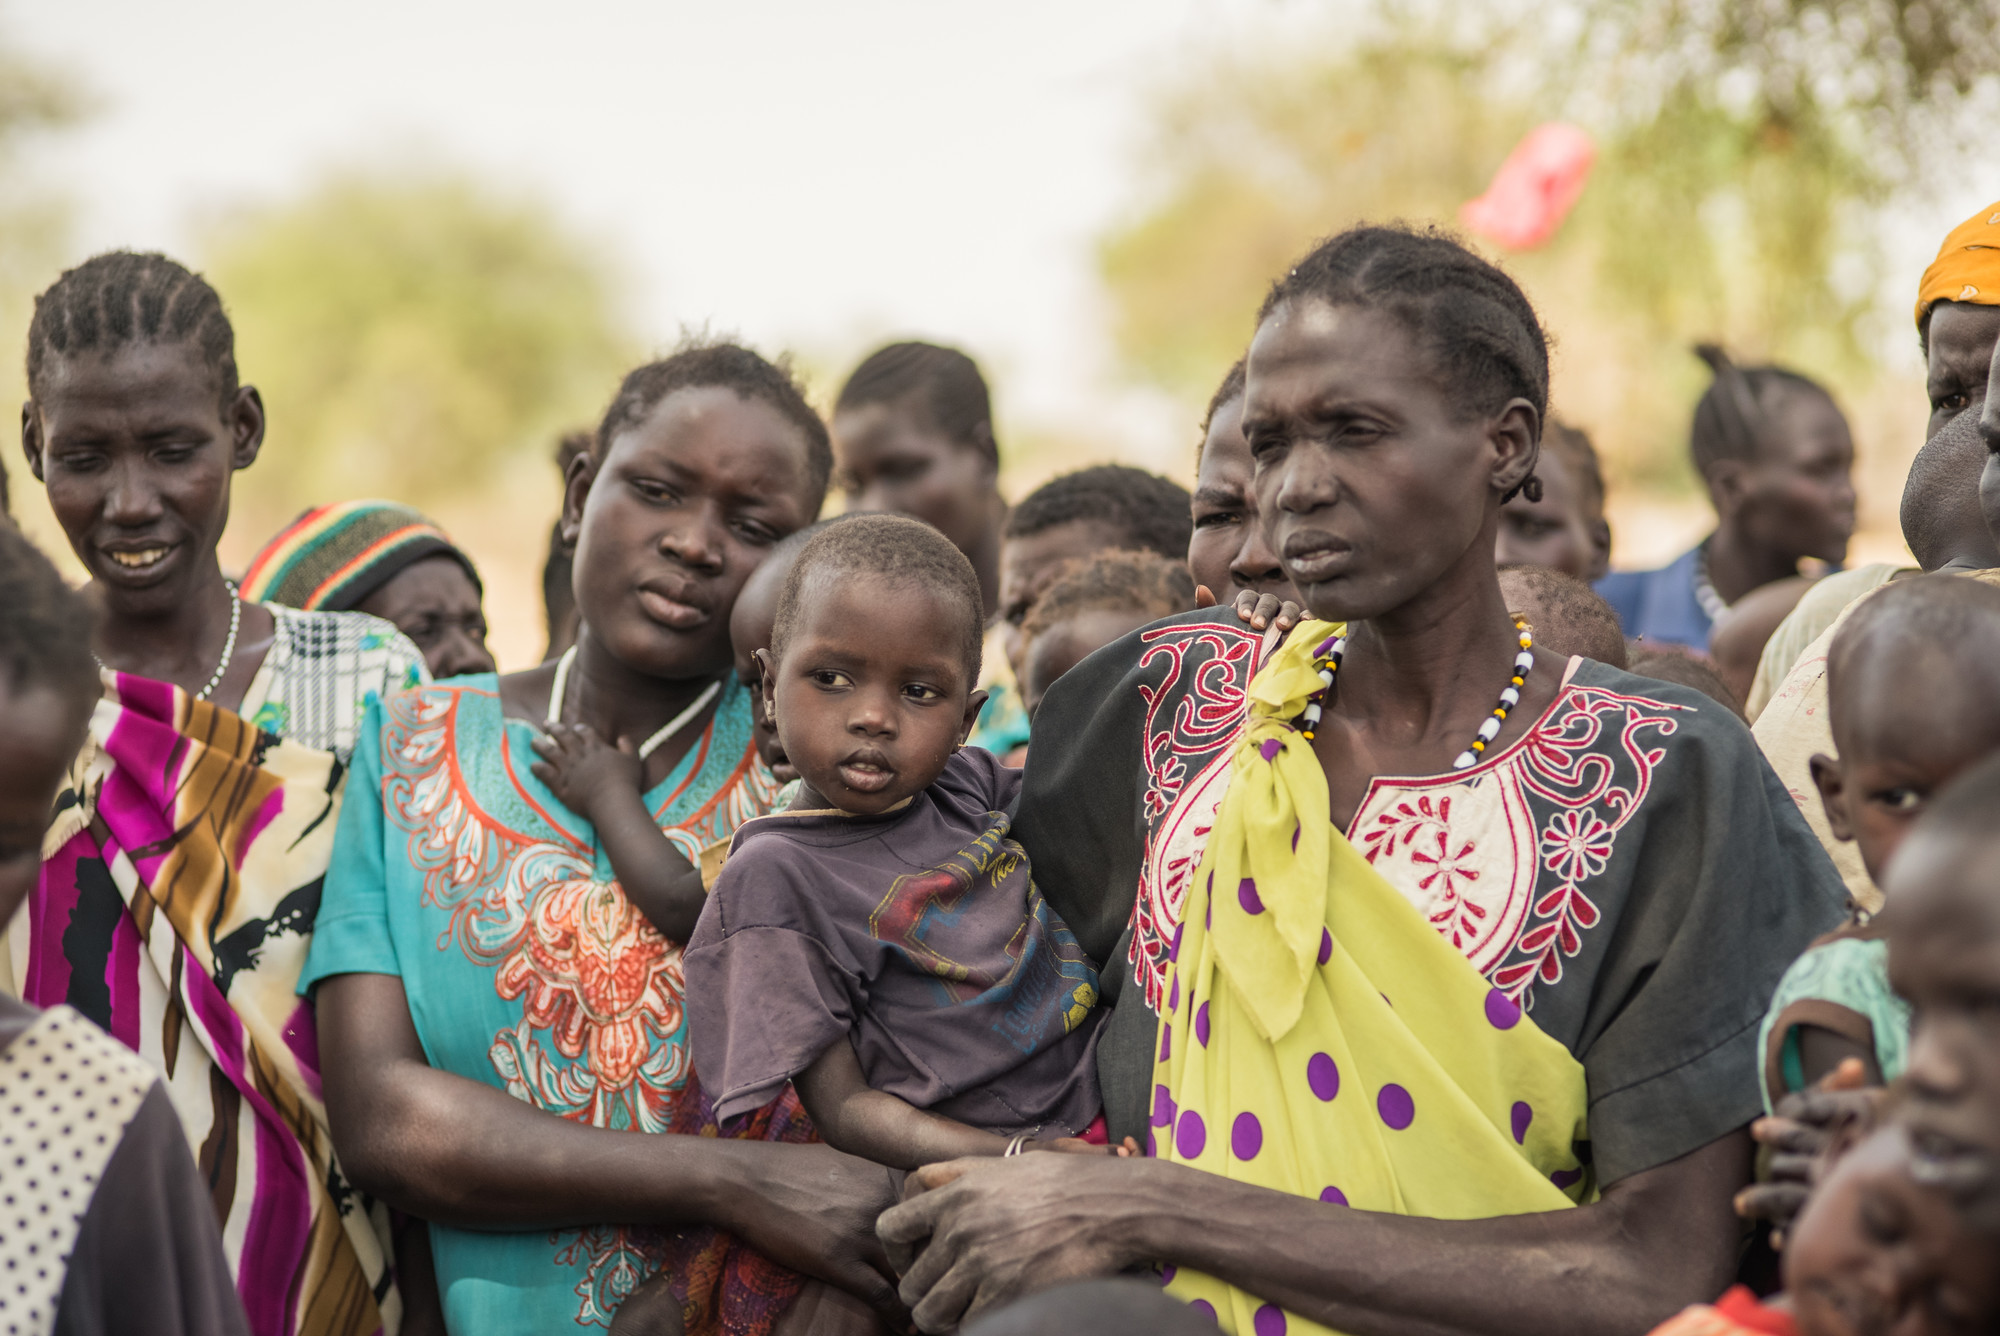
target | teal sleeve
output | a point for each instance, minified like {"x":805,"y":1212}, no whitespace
{"x":1843,"y":986}
{"x":351,"y":935}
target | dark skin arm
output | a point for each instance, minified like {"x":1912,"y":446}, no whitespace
{"x":601,"y":783}
{"x":463,"y":1153}
{"x":875,"y":1124}
{"x":975,"y":1233}
{"x":1822,"y":1051}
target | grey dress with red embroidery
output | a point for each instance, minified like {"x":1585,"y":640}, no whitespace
{"x":1629,"y":870}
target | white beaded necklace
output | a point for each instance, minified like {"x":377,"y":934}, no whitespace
{"x":228,"y":645}
{"x":560,"y":686}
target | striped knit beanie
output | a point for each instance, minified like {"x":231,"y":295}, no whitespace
{"x":332,"y":557}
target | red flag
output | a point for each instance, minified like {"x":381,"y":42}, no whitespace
{"x":1534,"y":189}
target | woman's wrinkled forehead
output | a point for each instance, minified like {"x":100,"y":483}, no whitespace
{"x":739,"y":447}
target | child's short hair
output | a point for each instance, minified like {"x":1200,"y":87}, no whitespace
{"x":125,"y":297}
{"x":1150,"y":513}
{"x":892,"y":548}
{"x":700,"y":364}
{"x":1138,"y":582}
{"x":1568,"y":616}
{"x":1682,"y":667}
{"x":45,"y":626}
{"x":1946,"y":624}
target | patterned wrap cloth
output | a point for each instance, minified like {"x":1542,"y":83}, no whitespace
{"x":1320,"y":1037}
{"x":178,"y":884}
{"x":332,"y":557}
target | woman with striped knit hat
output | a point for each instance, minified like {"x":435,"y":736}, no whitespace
{"x":383,"y":559}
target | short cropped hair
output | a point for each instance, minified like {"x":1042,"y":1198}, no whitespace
{"x":1567,"y":615}
{"x":45,"y":626}
{"x":1139,"y":582}
{"x":1149,"y":513}
{"x":700,"y":364}
{"x":895,"y":549}
{"x":944,"y":381}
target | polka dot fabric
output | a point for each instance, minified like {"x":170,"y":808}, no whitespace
{"x":1302,"y":1077}
{"x":67,"y":1093}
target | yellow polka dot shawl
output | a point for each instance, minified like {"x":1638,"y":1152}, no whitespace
{"x":1322,"y":1039}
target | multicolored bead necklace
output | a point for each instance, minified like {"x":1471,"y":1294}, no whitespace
{"x":1326,"y":661}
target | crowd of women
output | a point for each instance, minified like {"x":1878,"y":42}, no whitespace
{"x":1390,"y":919}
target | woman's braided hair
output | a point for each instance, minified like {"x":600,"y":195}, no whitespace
{"x":126,"y":297}
{"x":1474,"y":323}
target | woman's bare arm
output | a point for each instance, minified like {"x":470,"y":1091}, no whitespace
{"x":876,"y":1125}
{"x":975,"y":1233}
{"x":463,"y":1153}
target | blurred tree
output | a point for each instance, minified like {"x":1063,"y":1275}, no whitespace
{"x":1745,"y":147}
{"x":411,"y":335}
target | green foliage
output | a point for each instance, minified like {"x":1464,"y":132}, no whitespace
{"x":411,"y":335}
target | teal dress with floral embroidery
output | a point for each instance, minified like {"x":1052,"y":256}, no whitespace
{"x":524,"y":964}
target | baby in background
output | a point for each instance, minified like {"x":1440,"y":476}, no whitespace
{"x":881,"y":944}
{"x":1093,"y":602}
{"x":1913,"y":695}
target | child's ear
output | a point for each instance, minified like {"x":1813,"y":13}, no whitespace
{"x":31,"y":439}
{"x":1832,"y":787}
{"x":767,"y":680}
{"x":973,"y":704}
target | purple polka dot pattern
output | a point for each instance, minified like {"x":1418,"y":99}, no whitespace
{"x":1167,"y":1273}
{"x":1174,"y":953}
{"x":1501,"y":1011}
{"x":1396,"y":1107}
{"x":1323,"y":1076}
{"x":1522,"y":1116}
{"x":1334,"y":1196}
{"x":1201,"y":1024}
{"x":1269,"y":748}
{"x":1174,"y":994}
{"x":1566,"y":1178}
{"x":1246,"y":1136}
{"x":1190,"y":1136}
{"x":1152,"y":1145}
{"x":1166,"y":1042}
{"x":1269,"y":1321}
{"x":1163,"y":1107}
{"x":1246,"y":895}
{"x":1325,"y":946}
{"x":1296,"y":830}
{"x":1204,"y":1307}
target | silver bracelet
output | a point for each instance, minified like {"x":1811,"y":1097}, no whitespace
{"x":1014,"y":1146}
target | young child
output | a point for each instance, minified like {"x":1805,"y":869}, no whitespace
{"x":1092,"y":603}
{"x":1566,"y":614}
{"x":881,"y":944}
{"x":1913,"y":688}
{"x":105,"y":1226}
{"x":1564,"y":527}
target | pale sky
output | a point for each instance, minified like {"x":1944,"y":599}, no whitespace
{"x":813,"y":174}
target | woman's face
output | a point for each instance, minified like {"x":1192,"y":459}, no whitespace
{"x":136,"y":448}
{"x":893,"y":459}
{"x":1554,"y":531}
{"x":668,"y":526}
{"x":1370,"y":488}
{"x":1797,"y":495}
{"x":1875,"y":1252}
{"x":1228,"y":550}
{"x":436,"y":604}
{"x":1958,"y":354}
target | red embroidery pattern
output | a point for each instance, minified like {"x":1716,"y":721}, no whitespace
{"x":1187,"y":769}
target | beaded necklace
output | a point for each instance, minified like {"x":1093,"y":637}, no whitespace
{"x":1326,"y":661}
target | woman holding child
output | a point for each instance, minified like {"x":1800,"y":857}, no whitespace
{"x":496,"y":1015}
{"x":1438,"y":999}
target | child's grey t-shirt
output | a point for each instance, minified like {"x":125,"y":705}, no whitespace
{"x":920,"y":937}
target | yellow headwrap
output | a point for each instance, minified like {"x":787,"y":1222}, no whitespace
{"x":1967,"y":267}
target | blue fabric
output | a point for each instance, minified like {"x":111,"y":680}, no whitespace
{"x":1660,"y":606}
{"x":526,"y":968}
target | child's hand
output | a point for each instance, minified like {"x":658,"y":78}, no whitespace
{"x":1262,"y":610}
{"x":1078,"y":1146}
{"x":1801,"y":1139}
{"x":582,"y":769}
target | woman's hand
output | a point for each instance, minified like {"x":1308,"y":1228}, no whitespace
{"x":1260,"y":610}
{"x":971,"y":1234}
{"x":813,"y":1209}
{"x":584,"y":770}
